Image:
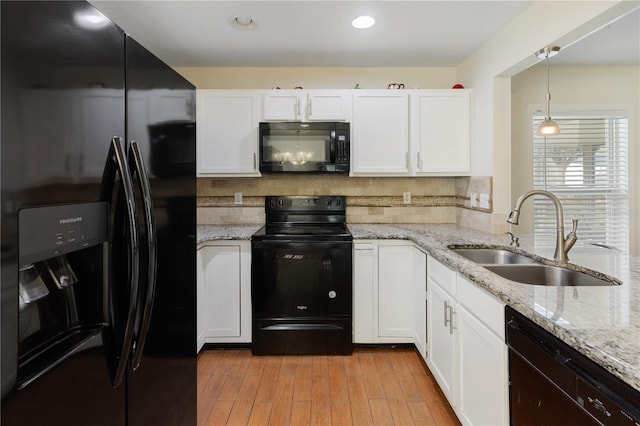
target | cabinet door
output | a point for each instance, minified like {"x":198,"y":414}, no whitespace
{"x":364,"y":265}
{"x":283,"y":105}
{"x":330,"y":105}
{"x":440,"y":132}
{"x":227,"y":133}
{"x":420,"y":300}
{"x":482,"y":357}
{"x":380,"y":133}
{"x":395,"y":291}
{"x":440,"y":338}
{"x":221,"y":266}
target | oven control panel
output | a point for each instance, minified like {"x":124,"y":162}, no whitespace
{"x":326,"y":203}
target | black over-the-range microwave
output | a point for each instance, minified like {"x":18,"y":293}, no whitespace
{"x":294,"y":147}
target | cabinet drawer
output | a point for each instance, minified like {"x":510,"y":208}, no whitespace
{"x":443,"y":276}
{"x":481,"y":304}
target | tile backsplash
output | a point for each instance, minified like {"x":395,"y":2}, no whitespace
{"x":369,"y":200}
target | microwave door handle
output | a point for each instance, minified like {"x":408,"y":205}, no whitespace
{"x":116,"y":162}
{"x":332,"y":145}
{"x":145,"y":189}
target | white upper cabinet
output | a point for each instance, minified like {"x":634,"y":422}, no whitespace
{"x":440,"y":132}
{"x":306,"y":105}
{"x":227,"y":132}
{"x":380,"y":133}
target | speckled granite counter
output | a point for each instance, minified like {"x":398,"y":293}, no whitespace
{"x":225,"y":232}
{"x":601,"y":322}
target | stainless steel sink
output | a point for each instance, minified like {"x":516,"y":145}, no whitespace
{"x":526,"y":270}
{"x":548,"y":275}
{"x":492,"y":256}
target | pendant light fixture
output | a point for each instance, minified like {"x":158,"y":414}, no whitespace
{"x":548,"y":126}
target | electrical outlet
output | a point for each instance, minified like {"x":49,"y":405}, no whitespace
{"x":406,"y":197}
{"x":473,"y":200}
{"x":238,"y":197}
{"x":484,"y":201}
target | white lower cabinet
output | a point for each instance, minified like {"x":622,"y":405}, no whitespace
{"x":466,"y":349}
{"x":224,"y":292}
{"x":384,"y":287}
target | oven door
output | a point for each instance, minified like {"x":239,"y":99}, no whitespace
{"x":301,"y":279}
{"x":301,"y":296}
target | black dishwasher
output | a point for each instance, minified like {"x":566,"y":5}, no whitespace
{"x":550,"y":383}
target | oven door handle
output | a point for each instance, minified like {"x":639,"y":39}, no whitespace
{"x":297,"y":244}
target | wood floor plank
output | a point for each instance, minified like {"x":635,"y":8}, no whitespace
{"x":321,"y":413}
{"x":360,"y":411}
{"x":320,"y":390}
{"x":395,"y":398}
{"x":219,"y":413}
{"x":438,"y":406}
{"x":304,"y":366}
{"x":302,"y":388}
{"x":230,"y":388}
{"x":380,"y":412}
{"x":260,"y":413}
{"x":352,"y":365}
{"x":240,"y":412}
{"x":300,"y":413}
{"x":289,"y":365}
{"x":338,"y":390}
{"x":341,"y":413}
{"x":208,"y":398}
{"x":370,"y":374}
{"x":320,"y":365}
{"x":382,"y":364}
{"x":336,"y":364}
{"x":281,"y":409}
{"x":420,"y":413}
{"x":249,"y":387}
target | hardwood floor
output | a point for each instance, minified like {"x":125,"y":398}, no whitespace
{"x":370,"y":387}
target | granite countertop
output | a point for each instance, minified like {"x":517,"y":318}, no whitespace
{"x":603,"y":323}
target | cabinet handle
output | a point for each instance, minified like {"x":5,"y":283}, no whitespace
{"x":451,"y":326}
{"x":298,"y":107}
{"x":448,"y":321}
{"x":309,"y":107}
{"x":419,"y":162}
{"x":407,"y":161}
{"x":446,"y":308}
{"x":254,"y":161}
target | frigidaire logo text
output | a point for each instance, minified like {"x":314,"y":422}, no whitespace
{"x":71,"y":220}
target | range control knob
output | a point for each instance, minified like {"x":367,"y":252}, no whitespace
{"x":272,"y":202}
{"x":338,"y":202}
{"x":332,"y":294}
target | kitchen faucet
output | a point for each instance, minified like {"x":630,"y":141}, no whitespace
{"x":563,"y":245}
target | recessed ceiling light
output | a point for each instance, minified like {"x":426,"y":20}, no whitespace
{"x":243,"y":23}
{"x":362,"y":22}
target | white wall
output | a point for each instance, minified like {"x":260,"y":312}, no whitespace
{"x":510,"y":51}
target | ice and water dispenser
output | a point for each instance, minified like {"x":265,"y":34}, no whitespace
{"x":62,"y":282}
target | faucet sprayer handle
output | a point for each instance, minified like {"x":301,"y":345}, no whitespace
{"x":515,"y":241}
{"x":575,"y":225}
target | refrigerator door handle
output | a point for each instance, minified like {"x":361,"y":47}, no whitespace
{"x":145,"y":188}
{"x":117,"y":162}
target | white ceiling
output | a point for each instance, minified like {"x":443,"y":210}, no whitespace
{"x":319,"y":33}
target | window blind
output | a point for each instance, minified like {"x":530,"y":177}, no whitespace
{"x":586,"y":166}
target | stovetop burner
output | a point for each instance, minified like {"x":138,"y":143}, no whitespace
{"x":315,"y":217}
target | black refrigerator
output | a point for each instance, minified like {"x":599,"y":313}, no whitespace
{"x":98,"y":224}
